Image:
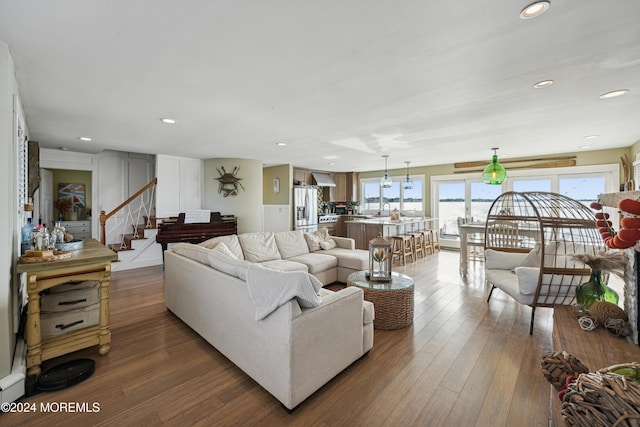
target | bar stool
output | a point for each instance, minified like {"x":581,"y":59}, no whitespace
{"x":419,"y":246}
{"x":433,"y":241}
{"x":401,"y":247}
{"x":436,"y":239}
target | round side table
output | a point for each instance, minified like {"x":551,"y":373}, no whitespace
{"x":392,"y":301}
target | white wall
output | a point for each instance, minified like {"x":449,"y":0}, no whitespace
{"x":247,"y":204}
{"x":179,"y":185}
{"x":115,"y":175}
{"x":8,"y":228}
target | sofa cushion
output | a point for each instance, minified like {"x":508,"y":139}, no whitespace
{"x":220,"y":261}
{"x":368,"y":312}
{"x":291,"y":243}
{"x":269,"y":289}
{"x":325,"y":245}
{"x":231,"y":241}
{"x":285,"y":265}
{"x":355,"y":259}
{"x":314,"y":239}
{"x":259,"y":247}
{"x":224,"y":250}
{"x":191,"y":251}
{"x":316,"y":262}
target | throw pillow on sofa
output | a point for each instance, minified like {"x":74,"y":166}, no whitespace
{"x":291,"y":243}
{"x":328,"y":244}
{"x":224,"y":250}
{"x":259,"y":247}
{"x":231,"y":241}
{"x":314,"y":239}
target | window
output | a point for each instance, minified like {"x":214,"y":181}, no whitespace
{"x":584,"y":189}
{"x":465,"y":196}
{"x":408,"y":201}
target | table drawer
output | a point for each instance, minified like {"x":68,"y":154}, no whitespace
{"x":70,"y":300}
{"x":56,"y":324}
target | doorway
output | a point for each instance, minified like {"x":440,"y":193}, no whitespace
{"x":64,"y":195}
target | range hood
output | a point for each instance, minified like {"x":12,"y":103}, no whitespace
{"x":323,"y":179}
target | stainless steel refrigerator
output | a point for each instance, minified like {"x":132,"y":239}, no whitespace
{"x":305,"y":208}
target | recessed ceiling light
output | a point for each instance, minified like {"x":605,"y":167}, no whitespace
{"x":534,"y":9}
{"x":543,"y":83}
{"x":281,"y":144}
{"x":84,"y":138}
{"x":168,"y":121}
{"x":614,"y":93}
{"x":583,"y":147}
{"x":591,"y":136}
{"x":331,"y":164}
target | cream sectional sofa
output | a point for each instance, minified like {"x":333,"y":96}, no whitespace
{"x":311,"y":335}
{"x":328,"y":258}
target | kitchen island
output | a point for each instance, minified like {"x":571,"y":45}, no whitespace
{"x":363,"y":230}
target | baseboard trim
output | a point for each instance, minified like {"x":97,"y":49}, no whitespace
{"x":12,"y":387}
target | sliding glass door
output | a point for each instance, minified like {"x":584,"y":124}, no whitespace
{"x":457,"y":196}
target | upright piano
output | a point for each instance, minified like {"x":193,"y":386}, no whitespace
{"x":177,"y":231}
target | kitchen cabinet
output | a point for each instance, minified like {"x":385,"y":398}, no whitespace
{"x":302,"y":176}
{"x":363,"y":233}
{"x":340,"y":190}
{"x":346,"y":189}
{"x":330,"y":226}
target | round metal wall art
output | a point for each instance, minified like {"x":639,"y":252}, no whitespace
{"x":229,"y":182}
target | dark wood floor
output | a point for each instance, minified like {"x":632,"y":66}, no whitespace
{"x":463,"y":362}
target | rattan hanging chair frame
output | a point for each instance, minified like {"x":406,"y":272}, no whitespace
{"x":556,"y":225}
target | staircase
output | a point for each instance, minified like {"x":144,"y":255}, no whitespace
{"x":139,"y":248}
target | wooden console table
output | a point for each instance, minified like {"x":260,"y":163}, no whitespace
{"x":596,"y":349}
{"x":93,"y":262}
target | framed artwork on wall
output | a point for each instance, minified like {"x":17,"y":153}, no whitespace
{"x":74,"y":196}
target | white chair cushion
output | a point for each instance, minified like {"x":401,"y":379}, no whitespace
{"x":503,"y":260}
{"x":533,"y":257}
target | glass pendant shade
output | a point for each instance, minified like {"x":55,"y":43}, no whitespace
{"x":408,"y":183}
{"x":385,"y":181}
{"x":495,"y":172}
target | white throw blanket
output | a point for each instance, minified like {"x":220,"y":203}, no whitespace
{"x":269,"y":289}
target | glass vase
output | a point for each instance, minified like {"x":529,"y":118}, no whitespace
{"x":595,"y":290}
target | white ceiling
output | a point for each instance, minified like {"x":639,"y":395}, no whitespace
{"x":338,"y":81}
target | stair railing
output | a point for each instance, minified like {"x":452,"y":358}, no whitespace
{"x":144,"y":208}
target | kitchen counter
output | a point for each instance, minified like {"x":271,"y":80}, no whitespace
{"x":362,"y":230}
